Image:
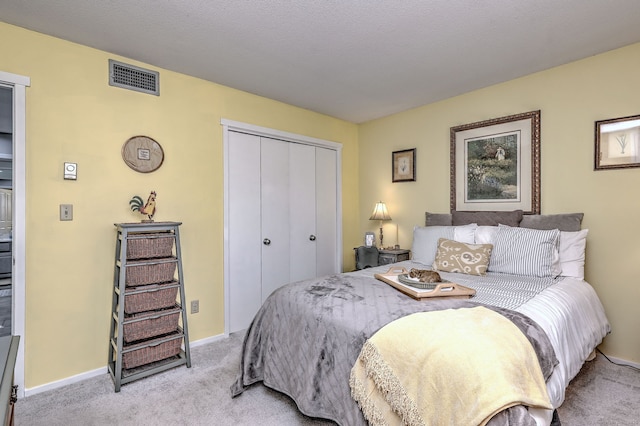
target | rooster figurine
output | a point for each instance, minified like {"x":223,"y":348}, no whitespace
{"x":148,"y":209}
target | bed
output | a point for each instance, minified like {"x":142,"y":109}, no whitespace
{"x":309,"y":337}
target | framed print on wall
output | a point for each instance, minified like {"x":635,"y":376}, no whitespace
{"x":495,"y":164}
{"x":403,"y":165}
{"x":617,"y":143}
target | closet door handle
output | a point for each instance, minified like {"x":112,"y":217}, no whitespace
{"x":312,"y":237}
{"x":266,"y":242}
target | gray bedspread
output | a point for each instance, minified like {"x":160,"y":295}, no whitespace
{"x":307,"y":336}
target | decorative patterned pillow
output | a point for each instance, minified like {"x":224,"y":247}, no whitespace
{"x":524,"y":251}
{"x":454,"y":256}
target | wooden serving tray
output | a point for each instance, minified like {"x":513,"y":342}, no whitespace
{"x":444,"y":289}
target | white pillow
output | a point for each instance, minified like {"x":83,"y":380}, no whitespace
{"x":572,"y":247}
{"x":485,"y":234}
{"x":523,"y":251}
{"x":425,"y":240}
{"x":465,"y":233}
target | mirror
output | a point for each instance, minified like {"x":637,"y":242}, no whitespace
{"x":618,"y":143}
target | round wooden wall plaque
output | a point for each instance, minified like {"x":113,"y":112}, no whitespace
{"x":142,"y":154}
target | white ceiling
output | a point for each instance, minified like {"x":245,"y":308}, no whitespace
{"x":353,"y":59}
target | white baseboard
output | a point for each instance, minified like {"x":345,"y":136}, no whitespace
{"x":103,"y":370}
{"x":207,"y":340}
{"x":624,"y":362}
{"x":66,"y":381}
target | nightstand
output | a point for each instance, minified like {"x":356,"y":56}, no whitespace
{"x":366,"y":257}
{"x":392,"y":256}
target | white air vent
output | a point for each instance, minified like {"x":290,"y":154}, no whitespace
{"x":135,"y":78}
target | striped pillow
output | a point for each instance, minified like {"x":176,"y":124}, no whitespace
{"x":523,"y":251}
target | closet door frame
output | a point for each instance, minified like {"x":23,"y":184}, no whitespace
{"x":235,"y":126}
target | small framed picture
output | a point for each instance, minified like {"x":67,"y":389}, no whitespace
{"x":369,"y":239}
{"x":403,"y":165}
{"x":618,"y":143}
{"x":144,"y":154}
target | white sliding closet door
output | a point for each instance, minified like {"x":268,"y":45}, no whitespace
{"x":281,"y":219}
{"x":326,"y":207}
{"x":275,"y":177}
{"x":302,"y":195}
{"x":244,"y":224}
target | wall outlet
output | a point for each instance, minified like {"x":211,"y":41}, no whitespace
{"x":66,"y":211}
{"x":195,"y":306}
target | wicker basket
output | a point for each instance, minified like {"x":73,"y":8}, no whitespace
{"x":152,"y":351}
{"x":150,"y":324}
{"x":150,"y":297}
{"x":150,"y":273}
{"x":150,"y":246}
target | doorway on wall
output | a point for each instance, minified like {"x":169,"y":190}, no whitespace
{"x":6,"y":203}
{"x":15,"y":86}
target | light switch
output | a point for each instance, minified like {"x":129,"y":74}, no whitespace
{"x":66,"y":211}
{"x":71,"y":171}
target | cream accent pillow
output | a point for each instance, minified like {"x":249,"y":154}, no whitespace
{"x":454,"y":256}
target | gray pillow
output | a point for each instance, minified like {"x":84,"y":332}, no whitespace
{"x":509,"y":218}
{"x":437,"y":219}
{"x":568,"y":222}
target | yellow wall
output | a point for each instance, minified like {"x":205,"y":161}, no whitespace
{"x":571,"y":98}
{"x":74,"y":115}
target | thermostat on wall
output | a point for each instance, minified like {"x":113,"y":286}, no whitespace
{"x":70,"y":171}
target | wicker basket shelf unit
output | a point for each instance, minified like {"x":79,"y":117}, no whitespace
{"x":149,"y":331}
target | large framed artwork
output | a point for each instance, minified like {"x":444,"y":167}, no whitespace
{"x":617,"y":143}
{"x":495,"y":164}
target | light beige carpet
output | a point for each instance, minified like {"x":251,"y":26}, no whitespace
{"x":195,"y":396}
{"x":602,"y":394}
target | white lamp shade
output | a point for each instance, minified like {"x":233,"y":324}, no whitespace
{"x":380,"y":212}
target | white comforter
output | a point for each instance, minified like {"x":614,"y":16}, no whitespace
{"x":572,"y":315}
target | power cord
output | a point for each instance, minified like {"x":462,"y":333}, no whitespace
{"x":617,"y":363}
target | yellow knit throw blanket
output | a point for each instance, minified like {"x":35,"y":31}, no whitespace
{"x":449,"y":367}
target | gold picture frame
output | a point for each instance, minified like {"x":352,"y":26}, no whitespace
{"x":495,"y":164}
{"x":617,"y":143}
{"x":403,"y":165}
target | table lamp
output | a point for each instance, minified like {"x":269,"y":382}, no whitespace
{"x":380,"y":213}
